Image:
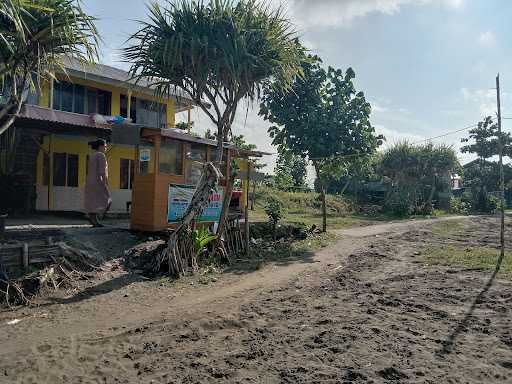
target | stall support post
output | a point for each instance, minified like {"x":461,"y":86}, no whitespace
{"x":246,"y":210}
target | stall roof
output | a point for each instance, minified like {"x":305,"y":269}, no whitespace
{"x":179,"y":134}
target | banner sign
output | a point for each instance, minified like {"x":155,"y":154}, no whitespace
{"x":180,"y":197}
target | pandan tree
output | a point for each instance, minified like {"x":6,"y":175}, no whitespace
{"x":217,"y":53}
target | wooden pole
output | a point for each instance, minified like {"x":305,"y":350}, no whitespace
{"x":50,"y":172}
{"x":25,"y":255}
{"x":246,"y":224}
{"x":502,"y":181}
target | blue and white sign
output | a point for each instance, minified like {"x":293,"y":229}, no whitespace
{"x":144,"y":154}
{"x":180,"y":197}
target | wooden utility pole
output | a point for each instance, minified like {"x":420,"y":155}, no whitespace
{"x":502,"y":179}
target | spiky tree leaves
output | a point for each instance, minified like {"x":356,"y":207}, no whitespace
{"x":34,"y":36}
{"x":418,"y":171}
{"x":217,"y":53}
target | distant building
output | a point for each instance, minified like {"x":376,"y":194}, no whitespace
{"x":456,"y":182}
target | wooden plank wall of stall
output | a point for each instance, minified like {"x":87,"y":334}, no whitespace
{"x":150,"y":192}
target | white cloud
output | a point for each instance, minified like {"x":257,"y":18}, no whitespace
{"x":484,"y":99}
{"x":335,"y":13}
{"x":394,"y":136}
{"x":405,"y":111}
{"x":487,"y":39}
{"x":379,"y":108}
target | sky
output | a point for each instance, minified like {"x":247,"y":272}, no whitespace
{"x":427,"y":66}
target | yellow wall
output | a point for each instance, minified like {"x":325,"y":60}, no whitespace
{"x":242,"y":165}
{"x":44,"y":98}
{"x":114,"y":156}
{"x":79,"y":146}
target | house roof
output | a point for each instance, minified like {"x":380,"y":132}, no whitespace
{"x":114,"y":76}
{"x":33,"y":116}
{"x":50,"y":120}
{"x":179,"y":134}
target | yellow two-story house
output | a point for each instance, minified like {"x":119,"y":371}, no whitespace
{"x":58,"y":121}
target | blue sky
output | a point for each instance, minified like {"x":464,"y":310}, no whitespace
{"x":427,"y":66}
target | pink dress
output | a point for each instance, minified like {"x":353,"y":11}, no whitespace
{"x":97,"y":195}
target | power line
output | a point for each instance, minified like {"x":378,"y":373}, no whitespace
{"x":416,"y":142}
{"x":446,"y":134}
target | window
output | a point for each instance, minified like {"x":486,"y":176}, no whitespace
{"x":126,"y":174}
{"x":151,"y":114}
{"x":65,"y":170}
{"x":104,"y":102}
{"x":92,"y":101}
{"x":133,"y":107}
{"x":171,"y":157}
{"x":66,"y":101}
{"x":79,"y":99}
{"x":195,"y":157}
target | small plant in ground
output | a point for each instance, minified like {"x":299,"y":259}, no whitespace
{"x":274,"y":209}
{"x":201,"y":238}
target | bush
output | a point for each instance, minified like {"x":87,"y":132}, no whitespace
{"x":399,"y":204}
{"x":459,"y":206}
{"x":493,"y":204}
{"x":273,"y":209}
{"x":296,"y":202}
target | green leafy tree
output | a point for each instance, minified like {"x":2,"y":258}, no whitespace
{"x":483,"y":176}
{"x":322,"y":118}
{"x":290,"y":171}
{"x":184,"y":126}
{"x":240,"y":142}
{"x":484,"y":140}
{"x":217,"y":53}
{"x":352,"y":177}
{"x":34,"y":36}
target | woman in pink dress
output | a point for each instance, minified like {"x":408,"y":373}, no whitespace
{"x":97,"y":195}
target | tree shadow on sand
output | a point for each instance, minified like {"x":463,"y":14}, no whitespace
{"x":449,"y":343}
{"x":278,"y":254}
{"x":103,"y":288}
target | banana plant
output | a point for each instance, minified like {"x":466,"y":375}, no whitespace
{"x":201,"y":238}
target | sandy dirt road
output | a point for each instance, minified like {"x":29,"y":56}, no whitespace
{"x":366,"y":309}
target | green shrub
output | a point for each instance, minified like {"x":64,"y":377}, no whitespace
{"x":399,"y":204}
{"x":459,"y":205}
{"x":273,"y":209}
{"x":297,"y":202}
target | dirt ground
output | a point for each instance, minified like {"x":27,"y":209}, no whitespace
{"x":368,"y":309}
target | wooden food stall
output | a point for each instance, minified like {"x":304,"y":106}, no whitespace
{"x":168,"y":167}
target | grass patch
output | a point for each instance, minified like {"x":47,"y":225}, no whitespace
{"x":484,"y":258}
{"x":305,"y":207}
{"x":445,"y":228}
{"x":284,"y":252}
